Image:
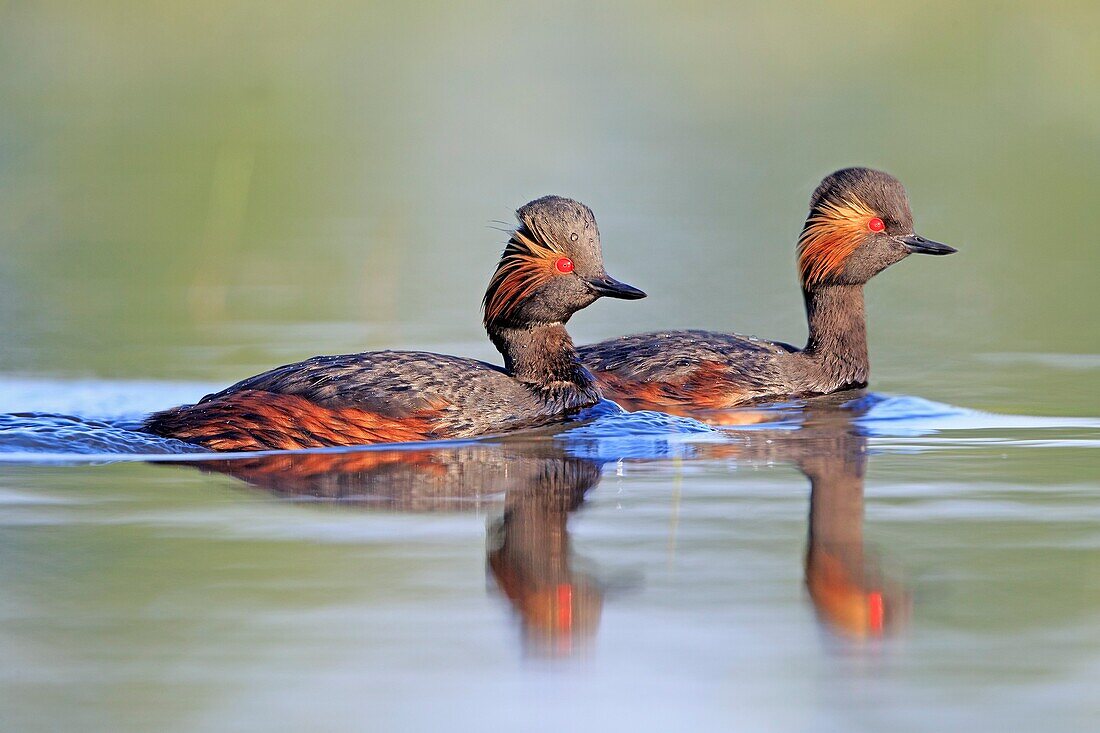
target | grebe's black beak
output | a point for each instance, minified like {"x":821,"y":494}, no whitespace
{"x":921,"y":246}
{"x":612,"y":288}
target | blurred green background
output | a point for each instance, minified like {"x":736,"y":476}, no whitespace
{"x":201,"y":190}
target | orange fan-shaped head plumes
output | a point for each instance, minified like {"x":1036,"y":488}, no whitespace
{"x":552,"y":267}
{"x":832,"y":233}
{"x":859,"y":224}
{"x":527,"y":265}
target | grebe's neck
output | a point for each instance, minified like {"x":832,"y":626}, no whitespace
{"x":837,"y":344}
{"x":541,"y":356}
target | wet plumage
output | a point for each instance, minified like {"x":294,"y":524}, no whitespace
{"x":682,"y":371}
{"x":859,"y":224}
{"x":372,"y":397}
{"x":396,"y":396}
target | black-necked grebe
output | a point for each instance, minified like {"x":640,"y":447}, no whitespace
{"x":859,"y":224}
{"x":551,"y":268}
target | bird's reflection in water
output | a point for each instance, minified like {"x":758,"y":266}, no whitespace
{"x":843,"y":575}
{"x":540,"y":485}
{"x":530,"y":557}
{"x":528,"y":547}
{"x":850,"y":594}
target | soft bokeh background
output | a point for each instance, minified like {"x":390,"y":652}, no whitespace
{"x":193,"y":192}
{"x":201,"y":190}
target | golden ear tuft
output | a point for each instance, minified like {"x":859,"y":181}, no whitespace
{"x":830,"y":236}
{"x":527,"y":264}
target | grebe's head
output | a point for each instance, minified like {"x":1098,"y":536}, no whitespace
{"x":859,"y":224}
{"x":551,"y":268}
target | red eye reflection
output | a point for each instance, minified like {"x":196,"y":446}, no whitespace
{"x":876,"y":225}
{"x":564,"y":265}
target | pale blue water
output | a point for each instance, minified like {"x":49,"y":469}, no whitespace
{"x":631,"y":571}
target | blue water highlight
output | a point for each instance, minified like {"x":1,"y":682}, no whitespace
{"x":43,"y":421}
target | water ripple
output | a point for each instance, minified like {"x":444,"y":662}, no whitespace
{"x":40,"y":434}
{"x":97,"y":421}
{"x":615,"y":433}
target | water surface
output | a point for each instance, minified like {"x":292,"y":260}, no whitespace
{"x":854,"y":561}
{"x":193,"y":193}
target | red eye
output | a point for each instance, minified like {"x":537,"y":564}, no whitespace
{"x":564,"y":265}
{"x":876,"y":225}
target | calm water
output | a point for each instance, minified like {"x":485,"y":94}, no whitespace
{"x":190,"y":194}
{"x":863,"y":562}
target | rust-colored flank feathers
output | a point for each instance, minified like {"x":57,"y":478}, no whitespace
{"x":830,"y":236}
{"x":527,"y":264}
{"x":696,"y":391}
{"x":551,"y":268}
{"x":253,"y":420}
